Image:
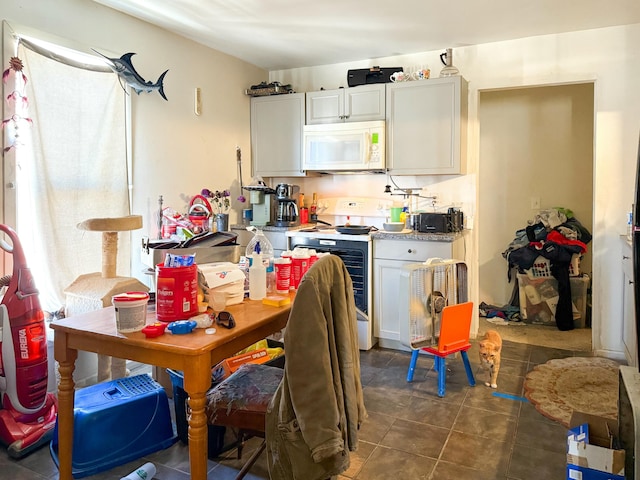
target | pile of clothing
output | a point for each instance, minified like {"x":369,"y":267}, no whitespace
{"x":556,"y":235}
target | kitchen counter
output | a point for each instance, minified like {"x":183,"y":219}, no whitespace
{"x":414,"y":235}
{"x":375,"y":235}
{"x":272,"y":228}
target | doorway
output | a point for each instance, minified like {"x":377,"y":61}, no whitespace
{"x":536,"y":152}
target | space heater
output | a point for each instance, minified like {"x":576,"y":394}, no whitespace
{"x":28,"y":413}
{"x":425,"y":289}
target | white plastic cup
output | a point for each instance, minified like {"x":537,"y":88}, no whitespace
{"x":131,"y":311}
{"x":145,"y":472}
{"x":218,"y":300}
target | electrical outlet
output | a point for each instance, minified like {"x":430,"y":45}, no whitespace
{"x":535,"y":203}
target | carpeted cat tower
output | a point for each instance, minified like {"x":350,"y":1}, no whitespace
{"x":93,"y":291}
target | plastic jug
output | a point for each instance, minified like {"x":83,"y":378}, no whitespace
{"x":259,"y":244}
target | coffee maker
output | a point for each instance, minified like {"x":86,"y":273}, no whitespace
{"x":287,"y":214}
{"x":262,"y":204}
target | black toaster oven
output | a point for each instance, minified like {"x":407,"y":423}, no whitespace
{"x":449,"y":222}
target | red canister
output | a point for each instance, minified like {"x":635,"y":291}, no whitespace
{"x":313,"y":257}
{"x":282,"y":267}
{"x":176,"y":292}
{"x":299,"y":266}
{"x":304,"y":215}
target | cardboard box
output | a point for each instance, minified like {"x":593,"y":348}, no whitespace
{"x":229,"y":365}
{"x":590,"y":449}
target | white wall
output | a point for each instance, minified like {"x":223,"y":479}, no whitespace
{"x":607,"y":56}
{"x":175,"y":152}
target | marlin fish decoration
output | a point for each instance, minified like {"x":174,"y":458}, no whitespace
{"x":124,"y":69}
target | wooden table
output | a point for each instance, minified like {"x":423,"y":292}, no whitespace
{"x":192,"y":353}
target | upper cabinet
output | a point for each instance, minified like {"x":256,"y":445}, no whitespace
{"x":427,"y":126}
{"x":276,"y":135}
{"x":355,"y":104}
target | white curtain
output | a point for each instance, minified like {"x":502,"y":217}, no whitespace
{"x":71,"y":166}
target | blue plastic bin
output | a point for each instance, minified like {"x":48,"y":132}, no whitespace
{"x":116,"y":422}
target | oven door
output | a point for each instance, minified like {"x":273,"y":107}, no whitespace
{"x":356,"y":256}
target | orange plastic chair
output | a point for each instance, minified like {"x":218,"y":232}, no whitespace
{"x":455,"y":326}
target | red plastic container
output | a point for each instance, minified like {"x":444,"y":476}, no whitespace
{"x":282,"y":267}
{"x":299,"y":266}
{"x":176,"y":292}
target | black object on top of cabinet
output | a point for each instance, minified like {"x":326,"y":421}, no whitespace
{"x":364,"y":76}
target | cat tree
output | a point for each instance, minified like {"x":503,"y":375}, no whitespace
{"x":93,"y":291}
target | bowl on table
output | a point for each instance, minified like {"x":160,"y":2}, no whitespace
{"x":393,"y":226}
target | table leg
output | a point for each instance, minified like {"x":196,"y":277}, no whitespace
{"x":66,"y":390}
{"x":197,"y":380}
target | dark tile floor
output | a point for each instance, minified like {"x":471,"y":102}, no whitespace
{"x":411,"y":433}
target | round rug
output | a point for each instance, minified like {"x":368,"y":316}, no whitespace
{"x":586,"y":384}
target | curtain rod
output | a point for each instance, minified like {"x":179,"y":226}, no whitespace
{"x":59,"y":57}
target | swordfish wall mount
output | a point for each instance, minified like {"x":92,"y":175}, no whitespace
{"x":126,"y":73}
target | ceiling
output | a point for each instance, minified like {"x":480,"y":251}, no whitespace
{"x":283,"y":34}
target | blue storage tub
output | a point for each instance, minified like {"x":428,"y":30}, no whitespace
{"x":116,"y":422}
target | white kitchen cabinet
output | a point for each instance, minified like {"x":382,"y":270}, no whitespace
{"x":355,"y":104}
{"x":628,"y":307}
{"x":427,"y":126}
{"x":276,"y":135}
{"x":389,"y":256}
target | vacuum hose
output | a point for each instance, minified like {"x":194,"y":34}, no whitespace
{"x":4,"y":281}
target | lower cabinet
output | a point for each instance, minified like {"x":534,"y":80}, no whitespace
{"x":389,"y":256}
{"x":629,"y":338}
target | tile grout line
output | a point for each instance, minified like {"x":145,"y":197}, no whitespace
{"x":446,"y":442}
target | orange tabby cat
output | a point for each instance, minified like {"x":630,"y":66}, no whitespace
{"x":490,"y":347}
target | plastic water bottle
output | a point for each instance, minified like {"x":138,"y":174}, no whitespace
{"x":257,"y":278}
{"x":145,"y":472}
{"x":271,"y":279}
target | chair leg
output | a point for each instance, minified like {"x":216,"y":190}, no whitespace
{"x":254,"y":456}
{"x":412,"y":365}
{"x":442,"y":374}
{"x":467,"y":367}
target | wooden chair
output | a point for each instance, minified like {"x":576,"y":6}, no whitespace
{"x":240,"y":401}
{"x":455,"y":326}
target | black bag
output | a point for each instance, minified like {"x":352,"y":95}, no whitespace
{"x":364,"y":76}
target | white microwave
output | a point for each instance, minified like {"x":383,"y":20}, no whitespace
{"x":357,"y":146}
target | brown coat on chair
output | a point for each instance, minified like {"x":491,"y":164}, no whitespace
{"x":314,"y":417}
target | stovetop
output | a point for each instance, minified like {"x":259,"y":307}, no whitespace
{"x":329,"y":234}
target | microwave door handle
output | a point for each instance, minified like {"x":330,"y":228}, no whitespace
{"x":368,"y":155}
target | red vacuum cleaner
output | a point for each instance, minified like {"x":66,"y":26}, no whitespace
{"x":28,"y":412}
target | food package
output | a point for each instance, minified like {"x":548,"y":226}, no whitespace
{"x":224,"y":277}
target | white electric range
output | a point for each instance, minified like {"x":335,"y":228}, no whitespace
{"x":355,"y":250}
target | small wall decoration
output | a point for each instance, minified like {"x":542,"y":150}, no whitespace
{"x":17,"y":100}
{"x":124,"y":69}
